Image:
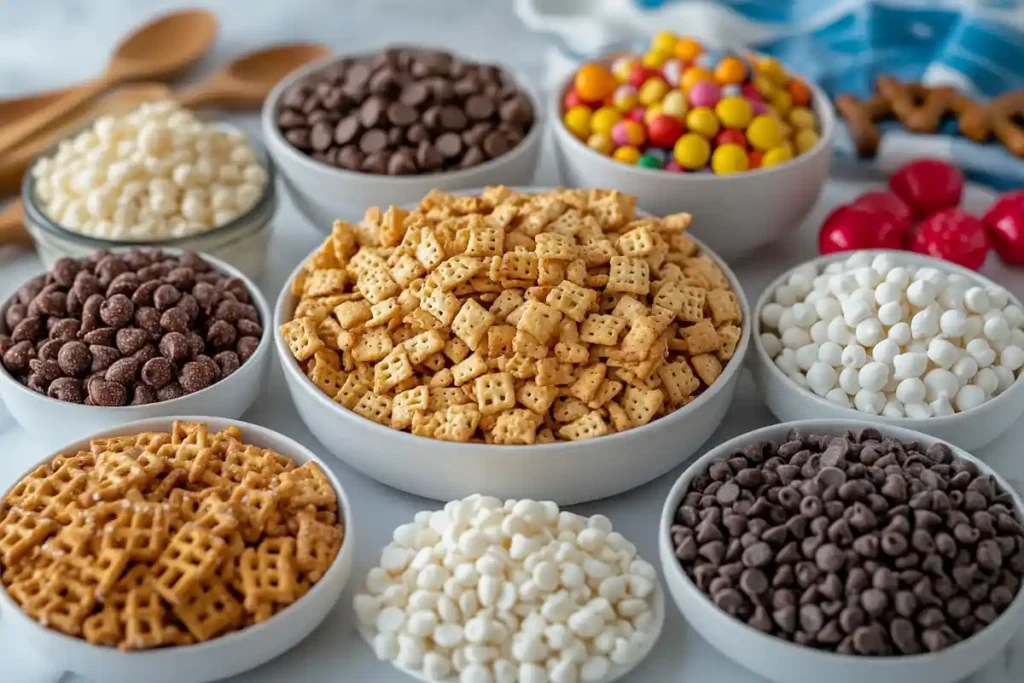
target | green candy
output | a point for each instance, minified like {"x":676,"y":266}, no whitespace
{"x":649,"y":161}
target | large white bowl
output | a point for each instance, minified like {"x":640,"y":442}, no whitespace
{"x":218,"y":658}
{"x":230,"y":397}
{"x":784,"y":662}
{"x":787,"y":400}
{"x":566,"y":473}
{"x":733,"y":214}
{"x":324,"y":193}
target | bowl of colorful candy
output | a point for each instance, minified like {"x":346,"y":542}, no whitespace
{"x":740,"y":142}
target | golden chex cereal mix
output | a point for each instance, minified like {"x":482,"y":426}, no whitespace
{"x":511,"y":318}
{"x":162,"y":539}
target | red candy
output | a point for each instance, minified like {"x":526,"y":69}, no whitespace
{"x":880,"y":201}
{"x":638,"y":75}
{"x":1005,"y":223}
{"x":636,"y":114}
{"x":953,"y":235}
{"x":731,"y":136}
{"x":850,"y":228}
{"x":928,"y":185}
{"x":572,"y":100}
{"x":663,"y":131}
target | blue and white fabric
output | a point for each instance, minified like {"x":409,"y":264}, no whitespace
{"x":842,"y":45}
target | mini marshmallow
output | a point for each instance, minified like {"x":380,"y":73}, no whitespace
{"x":855,"y":310}
{"x":890,"y":313}
{"x":842,"y":286}
{"x":821,"y":378}
{"x":1014,"y":316}
{"x":873,"y":376}
{"x":885,"y":351}
{"x":893,"y":408}
{"x":941,"y":407}
{"x":806,"y":356}
{"x":795,"y":337}
{"x":770,"y":315}
{"x":921,"y":293}
{"x":786,"y":361}
{"x":911,"y":390}
{"x":828,"y":308}
{"x":871,"y":402}
{"x":952,"y":323}
{"x":979,"y":350}
{"x":787,"y":320}
{"x":996,"y":328}
{"x":887,"y":293}
{"x":804,"y":315}
{"x":998,"y":297}
{"x":1005,"y":378}
{"x":831,"y":353}
{"x":969,"y":397}
{"x":868,"y":332}
{"x":986,"y":380}
{"x":917,"y":411}
{"x":839,"y":397}
{"x":839,"y":332}
{"x":976,"y":300}
{"x":785,"y":296}
{"x":939,"y":382}
{"x":907,"y":365}
{"x":924,"y":324}
{"x":899,"y":276}
{"x":942,"y":353}
{"x":900,"y":333}
{"x":973,"y":326}
{"x":819,"y":332}
{"x":1012,"y":357}
{"x":854,"y":356}
{"x":849,"y":380}
{"x":772,"y":344}
{"x":965,"y":368}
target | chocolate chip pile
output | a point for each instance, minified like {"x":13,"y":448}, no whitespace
{"x":405,"y":111}
{"x":132,"y":328}
{"x":860,"y":545}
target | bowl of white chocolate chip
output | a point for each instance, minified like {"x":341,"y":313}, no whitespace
{"x":914,"y":341}
{"x":157,"y":176}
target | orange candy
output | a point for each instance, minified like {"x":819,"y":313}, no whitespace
{"x":688,"y":49}
{"x":594,"y":82}
{"x":754,"y":158}
{"x":800,"y":92}
{"x":730,"y":71}
{"x":695,"y":74}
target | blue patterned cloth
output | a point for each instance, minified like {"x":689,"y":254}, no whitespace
{"x":843,"y":45}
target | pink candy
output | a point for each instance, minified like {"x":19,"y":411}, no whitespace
{"x":637,"y":114}
{"x":704,"y":94}
{"x":757,"y":106}
{"x":674,"y":167}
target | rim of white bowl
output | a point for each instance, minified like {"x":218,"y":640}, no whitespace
{"x":822,"y":107}
{"x":734,"y":366}
{"x":837,"y":425}
{"x":273,"y":134}
{"x":911,"y":258}
{"x":224,"y":267}
{"x":150,"y":424}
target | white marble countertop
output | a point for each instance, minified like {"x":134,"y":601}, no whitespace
{"x":58,"y":42}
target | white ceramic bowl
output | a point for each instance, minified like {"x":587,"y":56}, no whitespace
{"x":566,"y":473}
{"x":232,"y":396}
{"x":784,"y":662}
{"x":734,"y":214}
{"x":324,"y":193}
{"x":218,"y":658}
{"x":787,"y":400}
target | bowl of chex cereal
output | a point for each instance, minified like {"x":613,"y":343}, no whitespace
{"x":180,"y":550}
{"x":547,"y":344}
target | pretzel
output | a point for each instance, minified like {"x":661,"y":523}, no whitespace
{"x":166,"y":539}
{"x":921,"y":109}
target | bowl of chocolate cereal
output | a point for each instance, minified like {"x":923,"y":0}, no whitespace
{"x":485,"y":354}
{"x":173,"y":550}
{"x":386,"y":127}
{"x":131,"y":334}
{"x":834,"y":550}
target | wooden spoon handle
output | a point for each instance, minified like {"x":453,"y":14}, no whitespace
{"x":15,"y":132}
{"x":12,"y":225}
{"x":216,"y":93}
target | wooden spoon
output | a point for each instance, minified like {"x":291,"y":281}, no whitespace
{"x":245,"y":82}
{"x":158,"y":50}
{"x":12,"y":226}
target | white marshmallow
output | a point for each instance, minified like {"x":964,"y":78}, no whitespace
{"x":918,"y":411}
{"x":952,"y":323}
{"x":911,"y":390}
{"x":924,"y":324}
{"x":976,"y":300}
{"x":921,"y":293}
{"x":806,"y":356}
{"x":873,"y":376}
{"x":939,"y":382}
{"x":771,"y":314}
{"x":907,"y":365}
{"x":893,"y":408}
{"x":995,"y":328}
{"x":885,"y":351}
{"x":821,"y":378}
{"x":871,"y":402}
{"x":868,"y":332}
{"x":839,"y":397}
{"x":965,"y":368}
{"x":1012,"y":357}
{"x":849,"y":380}
{"x":804,"y":315}
{"x":1005,"y":378}
{"x":900,"y":333}
{"x":772,"y":344}
{"x":890,"y":313}
{"x":785,"y":296}
{"x":979,"y":350}
{"x":942,"y":353}
{"x":855,"y":310}
{"x":969,"y":397}
{"x":987,"y":380}
{"x":831,"y":353}
{"x":839,"y":332}
{"x":941,"y":407}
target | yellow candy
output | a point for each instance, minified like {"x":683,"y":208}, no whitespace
{"x":655,"y":60}
{"x":764,"y":132}
{"x":694,"y":74}
{"x":772,"y":70}
{"x":652,"y":91}
{"x":621,"y":68}
{"x":577,"y":120}
{"x":734,"y":112}
{"x":802,"y":117}
{"x":729,"y":158}
{"x":665,"y":41}
{"x":688,"y":49}
{"x":764,"y":87}
{"x":692,"y":151}
{"x":603,"y":119}
{"x":805,"y":139}
{"x":652,"y":111}
{"x":625,"y":98}
{"x":783,"y":102}
{"x":674,"y":104}
{"x":626,"y":154}
{"x":703,"y":121}
{"x":601,"y":143}
{"x":776,"y":156}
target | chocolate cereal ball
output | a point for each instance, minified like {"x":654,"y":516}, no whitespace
{"x":129,"y":328}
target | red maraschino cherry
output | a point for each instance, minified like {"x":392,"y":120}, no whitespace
{"x":1005,"y":223}
{"x":928,"y":185}
{"x":881,"y":201}
{"x":953,"y":235}
{"x":852,"y":227}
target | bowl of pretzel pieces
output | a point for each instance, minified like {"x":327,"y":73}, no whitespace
{"x":484,"y":354}
{"x":181,"y":550}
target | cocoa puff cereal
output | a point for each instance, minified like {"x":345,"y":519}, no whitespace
{"x":858,"y":544}
{"x":127,"y":329}
{"x":405,"y":111}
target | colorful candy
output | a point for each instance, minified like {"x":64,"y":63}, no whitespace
{"x":681,"y":108}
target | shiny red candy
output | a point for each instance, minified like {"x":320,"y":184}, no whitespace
{"x":928,"y":185}
{"x":731,"y":136}
{"x":638,"y":75}
{"x":880,"y":201}
{"x":572,"y":100}
{"x":664,"y":130}
{"x":1005,"y":223}
{"x":850,"y":228}
{"x":953,"y":235}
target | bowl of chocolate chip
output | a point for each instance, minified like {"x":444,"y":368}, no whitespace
{"x":386,"y":127}
{"x":119,"y":336}
{"x":830,"y":550}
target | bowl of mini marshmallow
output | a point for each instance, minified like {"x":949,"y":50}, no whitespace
{"x":915,"y":341}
